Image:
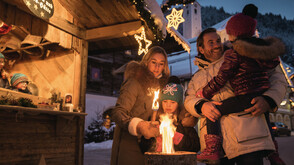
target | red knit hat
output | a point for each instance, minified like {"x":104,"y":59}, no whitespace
{"x":241,"y":25}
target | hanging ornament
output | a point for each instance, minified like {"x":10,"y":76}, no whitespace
{"x":140,"y":39}
{"x":4,"y":28}
{"x":175,"y":18}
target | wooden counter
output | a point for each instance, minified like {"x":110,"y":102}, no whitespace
{"x":32,"y":135}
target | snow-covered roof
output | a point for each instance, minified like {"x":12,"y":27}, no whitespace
{"x":179,"y":38}
{"x":288,"y":71}
{"x":221,"y":25}
{"x":153,"y":7}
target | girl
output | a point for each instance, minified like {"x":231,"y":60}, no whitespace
{"x":133,"y":108}
{"x":185,"y":138}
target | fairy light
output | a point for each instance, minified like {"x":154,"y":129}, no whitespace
{"x":142,"y":38}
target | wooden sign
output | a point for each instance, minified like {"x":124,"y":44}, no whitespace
{"x":41,"y":8}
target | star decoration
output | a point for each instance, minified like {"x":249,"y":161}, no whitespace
{"x":42,"y":14}
{"x":36,"y":7}
{"x":175,"y":18}
{"x":28,"y":3}
{"x":140,"y":39}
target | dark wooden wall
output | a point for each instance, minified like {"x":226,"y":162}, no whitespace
{"x":26,"y":137}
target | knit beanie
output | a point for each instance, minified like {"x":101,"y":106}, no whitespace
{"x":17,"y":78}
{"x":241,"y":25}
{"x":250,"y":10}
{"x":1,"y":55}
{"x":173,"y":92}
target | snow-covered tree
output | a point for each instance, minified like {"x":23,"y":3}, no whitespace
{"x":98,"y":130}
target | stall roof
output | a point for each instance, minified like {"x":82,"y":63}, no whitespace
{"x":109,"y":25}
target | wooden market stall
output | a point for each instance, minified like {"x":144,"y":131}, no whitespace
{"x":49,"y":43}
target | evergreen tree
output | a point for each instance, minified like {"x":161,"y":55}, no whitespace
{"x":97,"y":132}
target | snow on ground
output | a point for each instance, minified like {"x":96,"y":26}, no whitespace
{"x":97,"y":104}
{"x":94,"y":146}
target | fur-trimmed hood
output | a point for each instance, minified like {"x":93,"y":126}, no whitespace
{"x":263,"y":49}
{"x":146,"y":78}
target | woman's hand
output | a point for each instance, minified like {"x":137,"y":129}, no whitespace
{"x":148,"y":129}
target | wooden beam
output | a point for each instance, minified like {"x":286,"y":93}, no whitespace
{"x":55,"y":20}
{"x":114,"y":31}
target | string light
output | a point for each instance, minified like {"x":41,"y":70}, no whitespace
{"x":140,"y":39}
{"x":175,"y":18}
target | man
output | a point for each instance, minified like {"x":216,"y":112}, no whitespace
{"x":245,"y":138}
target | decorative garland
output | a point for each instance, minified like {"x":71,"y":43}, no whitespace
{"x":146,"y":15}
{"x":24,"y":102}
{"x":170,"y":3}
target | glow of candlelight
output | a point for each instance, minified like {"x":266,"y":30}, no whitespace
{"x":155,"y":104}
{"x":167,"y":130}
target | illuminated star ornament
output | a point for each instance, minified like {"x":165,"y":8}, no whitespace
{"x":140,"y":39}
{"x":175,"y":18}
{"x":28,"y":3}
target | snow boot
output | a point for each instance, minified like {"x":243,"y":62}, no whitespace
{"x":211,"y":154}
{"x":274,"y":157}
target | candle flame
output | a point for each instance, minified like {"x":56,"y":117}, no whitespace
{"x":155,"y":104}
{"x":167,"y":130}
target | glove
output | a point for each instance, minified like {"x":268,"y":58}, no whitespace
{"x":147,"y":129}
{"x":199,"y":93}
{"x":177,"y":138}
{"x":159,"y":144}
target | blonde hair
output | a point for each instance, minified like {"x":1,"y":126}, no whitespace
{"x":147,"y":58}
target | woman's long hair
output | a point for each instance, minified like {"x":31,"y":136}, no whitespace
{"x":147,"y":58}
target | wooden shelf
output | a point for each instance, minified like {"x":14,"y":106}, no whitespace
{"x":36,"y":111}
{"x":27,"y":47}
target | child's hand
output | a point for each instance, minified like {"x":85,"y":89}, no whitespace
{"x":199,"y":93}
{"x":5,"y":75}
{"x":189,"y":121}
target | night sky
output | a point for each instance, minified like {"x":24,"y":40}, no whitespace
{"x":282,"y":7}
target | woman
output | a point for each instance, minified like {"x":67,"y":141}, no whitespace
{"x":133,"y":109}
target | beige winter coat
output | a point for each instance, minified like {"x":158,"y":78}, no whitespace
{"x":133,"y":105}
{"x":241,"y":135}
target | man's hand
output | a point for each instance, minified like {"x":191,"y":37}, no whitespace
{"x":210,"y":111}
{"x":148,"y":129}
{"x":260,"y":106}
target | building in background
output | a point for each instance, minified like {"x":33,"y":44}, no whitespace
{"x":192,"y":25}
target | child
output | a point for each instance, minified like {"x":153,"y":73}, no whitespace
{"x":171,"y":101}
{"x":19,"y":82}
{"x":245,"y":66}
{"x":4,"y":83}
